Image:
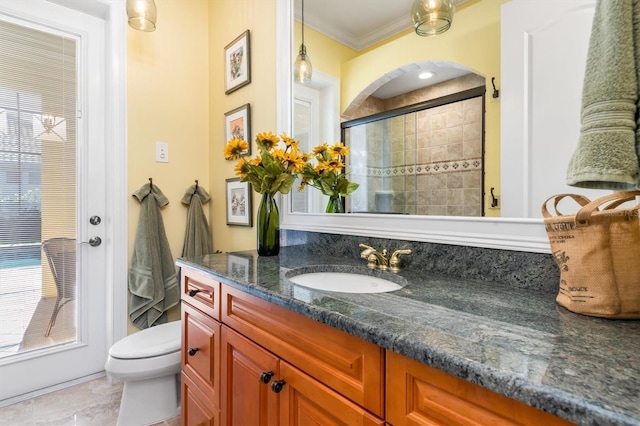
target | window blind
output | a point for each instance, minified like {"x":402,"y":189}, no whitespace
{"x":38,"y":94}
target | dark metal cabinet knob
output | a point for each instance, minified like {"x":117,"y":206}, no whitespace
{"x":278,"y":385}
{"x":193,"y":292}
{"x":192,"y":351}
{"x":266,"y":377}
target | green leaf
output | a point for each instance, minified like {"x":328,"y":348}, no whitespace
{"x":285,"y":182}
{"x":351,"y":187}
{"x":327,"y":187}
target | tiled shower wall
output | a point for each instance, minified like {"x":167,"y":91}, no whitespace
{"x":427,"y":162}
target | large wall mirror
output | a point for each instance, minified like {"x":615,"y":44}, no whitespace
{"x":349,"y":76}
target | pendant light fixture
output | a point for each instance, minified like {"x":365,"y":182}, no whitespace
{"x":302,"y":68}
{"x":431,"y":17}
{"x":142,"y":15}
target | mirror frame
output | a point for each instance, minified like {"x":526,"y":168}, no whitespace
{"x":520,"y":234}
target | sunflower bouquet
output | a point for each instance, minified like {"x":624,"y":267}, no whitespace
{"x":327,"y":174}
{"x":274,"y":169}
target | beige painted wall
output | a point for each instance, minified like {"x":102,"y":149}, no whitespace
{"x":168,"y":100}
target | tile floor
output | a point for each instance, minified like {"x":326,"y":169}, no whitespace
{"x":94,"y":403}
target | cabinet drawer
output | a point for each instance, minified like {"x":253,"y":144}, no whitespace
{"x":421,"y":395}
{"x":345,"y":363}
{"x":202,"y":292}
{"x":201,"y":352}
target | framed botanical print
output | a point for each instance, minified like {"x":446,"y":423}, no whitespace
{"x":237,"y":63}
{"x":237,"y":124}
{"x":238,"y":203}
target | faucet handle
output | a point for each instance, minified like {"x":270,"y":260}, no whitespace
{"x":394,"y":262}
{"x":367,"y":250}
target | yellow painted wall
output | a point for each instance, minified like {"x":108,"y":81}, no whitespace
{"x":229,"y":19}
{"x":176,"y":95}
{"x":325,"y":53}
{"x":168,"y":100}
{"x":473,"y":40}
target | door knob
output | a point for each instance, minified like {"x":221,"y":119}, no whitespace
{"x":278,"y":385}
{"x":95,"y":241}
{"x":95,"y":220}
{"x":266,"y":376}
{"x":192,"y":351}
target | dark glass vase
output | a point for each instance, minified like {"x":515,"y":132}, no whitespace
{"x":335,"y":205}
{"x":268,"y":226}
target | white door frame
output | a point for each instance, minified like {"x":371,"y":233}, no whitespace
{"x":114,"y":231}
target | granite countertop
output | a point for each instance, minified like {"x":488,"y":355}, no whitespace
{"x":517,"y":342}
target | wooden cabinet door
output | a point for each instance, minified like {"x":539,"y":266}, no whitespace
{"x":196,"y":411}
{"x":305,"y":401}
{"x":201,"y":352}
{"x":246,"y":398}
{"x":419,"y":395}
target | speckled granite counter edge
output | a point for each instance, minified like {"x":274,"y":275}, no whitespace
{"x":543,"y":397}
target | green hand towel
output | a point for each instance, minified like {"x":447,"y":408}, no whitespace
{"x":606,"y":156}
{"x":197,"y":238}
{"x":153,"y":282}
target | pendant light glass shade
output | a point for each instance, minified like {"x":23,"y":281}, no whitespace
{"x":302,"y":68}
{"x":431,"y":17}
{"x":142,"y":15}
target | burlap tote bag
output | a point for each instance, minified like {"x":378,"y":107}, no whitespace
{"x":598,"y":253}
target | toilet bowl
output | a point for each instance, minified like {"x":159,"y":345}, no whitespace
{"x":148,"y":362}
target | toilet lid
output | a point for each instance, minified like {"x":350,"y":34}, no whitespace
{"x":154,"y":341}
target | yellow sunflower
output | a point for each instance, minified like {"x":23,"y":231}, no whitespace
{"x":268,"y":139}
{"x":338,"y":149}
{"x":320,"y":149}
{"x":242,"y":168}
{"x":235,"y":148}
{"x":297,"y":162}
{"x":290,"y":142}
{"x":303,"y":184}
{"x":280,"y":154}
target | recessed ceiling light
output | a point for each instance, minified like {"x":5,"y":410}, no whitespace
{"x":425,"y":75}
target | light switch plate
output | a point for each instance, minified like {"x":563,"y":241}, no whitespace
{"x":162,"y":152}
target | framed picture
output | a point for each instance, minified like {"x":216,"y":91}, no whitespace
{"x":237,"y":63}
{"x":237,"y":124}
{"x":239,"y":266}
{"x":239,"y":203}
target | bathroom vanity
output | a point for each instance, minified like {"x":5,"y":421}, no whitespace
{"x":259,"y":349}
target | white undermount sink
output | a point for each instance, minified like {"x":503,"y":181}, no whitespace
{"x":344,"y":282}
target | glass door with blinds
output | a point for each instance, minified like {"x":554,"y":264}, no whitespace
{"x":52,"y":290}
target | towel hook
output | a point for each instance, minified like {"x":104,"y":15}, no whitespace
{"x":496,"y":92}
{"x":196,"y":189}
{"x":494,"y":200}
{"x":150,"y":183}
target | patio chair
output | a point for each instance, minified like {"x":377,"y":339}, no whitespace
{"x":61,"y":255}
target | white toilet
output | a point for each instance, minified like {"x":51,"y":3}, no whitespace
{"x":148,"y":362}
